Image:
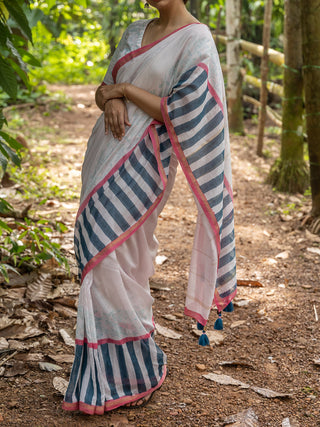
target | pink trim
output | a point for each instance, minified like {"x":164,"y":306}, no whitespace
{"x":196,"y":316}
{"x":211,"y":89}
{"x":111,"y":341}
{"x":188,"y":173}
{"x":124,"y":236}
{"x":117,"y":242}
{"x":113,"y":170}
{"x":133,"y":54}
{"x":222,"y":303}
{"x":228,"y":187}
{"x":110,"y":405}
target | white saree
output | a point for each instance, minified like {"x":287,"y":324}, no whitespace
{"x":124,"y":188}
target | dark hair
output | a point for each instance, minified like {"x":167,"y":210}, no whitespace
{"x":185,"y":1}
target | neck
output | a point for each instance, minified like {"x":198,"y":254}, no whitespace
{"x":173,"y":15}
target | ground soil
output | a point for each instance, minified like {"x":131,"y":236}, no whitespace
{"x":272,"y":338}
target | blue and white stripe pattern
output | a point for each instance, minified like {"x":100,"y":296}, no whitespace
{"x":122,"y":200}
{"x":103,"y":377}
{"x":196,"y":115}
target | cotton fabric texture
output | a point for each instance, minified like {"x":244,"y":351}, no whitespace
{"x":124,"y":188}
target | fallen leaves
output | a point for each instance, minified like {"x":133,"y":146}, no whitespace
{"x":50,"y":367}
{"x":67,"y":338}
{"x":168,"y":333}
{"x":60,"y":384}
{"x":227,"y":380}
{"x":245,"y":418}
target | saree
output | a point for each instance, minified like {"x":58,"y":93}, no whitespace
{"x":125,"y":185}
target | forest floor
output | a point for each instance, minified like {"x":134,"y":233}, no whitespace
{"x":270,"y":341}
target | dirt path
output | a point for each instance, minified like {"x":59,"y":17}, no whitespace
{"x":270,"y":341}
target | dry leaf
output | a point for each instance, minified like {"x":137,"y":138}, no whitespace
{"x":30,"y":357}
{"x":225,"y":380}
{"x":237,"y":323}
{"x":62,"y":358}
{"x":66,"y":338}
{"x":20,"y":332}
{"x":170,"y":317}
{"x":69,"y":302}
{"x":50,"y":367}
{"x":269,"y":393}
{"x":287,"y":422}
{"x":241,"y":303}
{"x":166,"y":332}
{"x":65,"y":311}
{"x":283,"y":255}
{"x":39,"y":288}
{"x":316,"y":362}
{"x":253,"y":283}
{"x":314,"y":250}
{"x":3,"y":344}
{"x":16,"y":293}
{"x":19,"y":368}
{"x":60,"y":384}
{"x":161,"y":259}
{"x":158,"y":286}
{"x":5,"y":321}
{"x":243,"y":419}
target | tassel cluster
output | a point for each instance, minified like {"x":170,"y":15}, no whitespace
{"x":218,"y":325}
{"x":203,"y":340}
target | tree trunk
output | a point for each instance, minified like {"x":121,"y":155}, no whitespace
{"x":234,"y":87}
{"x":290,"y":172}
{"x":311,"y":67}
{"x":264,"y":74}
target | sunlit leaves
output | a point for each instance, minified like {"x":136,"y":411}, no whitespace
{"x":16,"y":12}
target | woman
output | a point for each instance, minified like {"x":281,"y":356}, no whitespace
{"x":163,"y":102}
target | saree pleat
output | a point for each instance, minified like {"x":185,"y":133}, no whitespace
{"x":125,"y":187}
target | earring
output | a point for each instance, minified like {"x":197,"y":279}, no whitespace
{"x":146,"y":5}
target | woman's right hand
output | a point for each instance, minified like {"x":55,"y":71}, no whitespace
{"x":116,"y":117}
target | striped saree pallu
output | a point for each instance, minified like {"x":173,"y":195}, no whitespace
{"x":117,"y":360}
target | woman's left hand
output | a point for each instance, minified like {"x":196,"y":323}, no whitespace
{"x":117,"y":90}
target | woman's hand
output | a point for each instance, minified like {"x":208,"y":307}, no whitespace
{"x":116,"y":117}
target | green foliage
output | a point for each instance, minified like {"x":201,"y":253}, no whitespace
{"x":28,"y":243}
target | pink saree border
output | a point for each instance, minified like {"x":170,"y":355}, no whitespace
{"x":133,"y":54}
{"x":196,"y":316}
{"x":222,"y":303}
{"x":210,"y":87}
{"x":188,"y":173}
{"x":95,"y":345}
{"x":110,"y":405}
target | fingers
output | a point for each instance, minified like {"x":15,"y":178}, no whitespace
{"x":116,"y":118}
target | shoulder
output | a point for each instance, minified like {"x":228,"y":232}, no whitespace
{"x":137,"y":26}
{"x":199,"y":32}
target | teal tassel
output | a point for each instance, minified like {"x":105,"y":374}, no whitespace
{"x":204,"y":340}
{"x":218,"y":324}
{"x":229,"y":307}
{"x":200,"y":327}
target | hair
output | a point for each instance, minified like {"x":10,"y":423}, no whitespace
{"x":185,"y":1}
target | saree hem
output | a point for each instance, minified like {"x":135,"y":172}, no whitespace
{"x":110,"y":405}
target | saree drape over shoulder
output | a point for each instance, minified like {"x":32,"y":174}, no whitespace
{"x":124,"y":188}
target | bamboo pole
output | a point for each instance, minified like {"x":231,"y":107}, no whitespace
{"x":274,"y":88}
{"x":264,"y":74}
{"x":256,"y":49}
{"x":273,"y":115}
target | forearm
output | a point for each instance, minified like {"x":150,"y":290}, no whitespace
{"x":146,"y":101}
{"x":99,"y":98}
